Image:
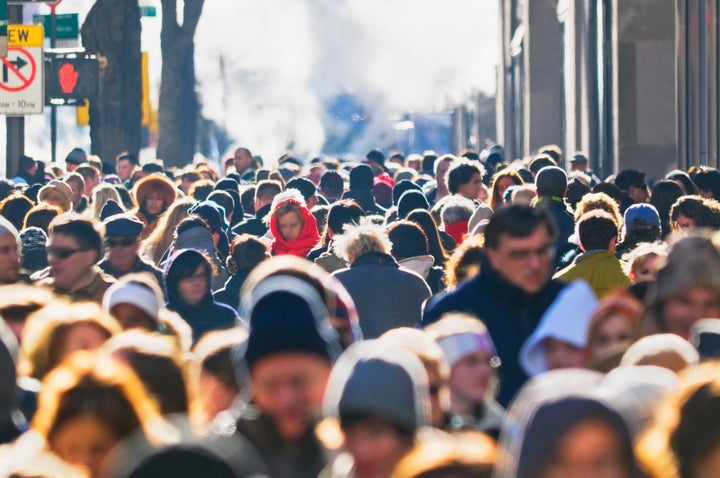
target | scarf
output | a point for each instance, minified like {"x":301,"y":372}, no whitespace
{"x":301,"y":246}
{"x":457,"y":231}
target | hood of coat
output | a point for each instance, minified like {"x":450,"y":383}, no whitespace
{"x":418,"y":264}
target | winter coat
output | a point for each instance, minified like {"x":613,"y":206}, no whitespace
{"x":601,"y":269}
{"x":254,"y":226}
{"x":92,"y":292}
{"x":139,"y":266}
{"x":385,"y":295}
{"x":207,"y":315}
{"x":565,"y":223}
{"x":230,"y":294}
{"x":366,"y":200}
{"x":509,"y":313}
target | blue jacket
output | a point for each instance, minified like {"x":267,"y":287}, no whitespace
{"x":509,"y":313}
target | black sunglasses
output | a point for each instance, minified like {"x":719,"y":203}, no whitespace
{"x":124,"y":242}
{"x":62,"y":252}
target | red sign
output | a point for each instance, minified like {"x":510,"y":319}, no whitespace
{"x":18,"y":69}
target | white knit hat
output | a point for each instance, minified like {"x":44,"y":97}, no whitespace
{"x":134,"y":294}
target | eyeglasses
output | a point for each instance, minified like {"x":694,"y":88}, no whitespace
{"x":122,"y":242}
{"x":62,"y":252}
{"x":545,"y":252}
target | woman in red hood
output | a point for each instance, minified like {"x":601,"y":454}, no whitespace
{"x":294,"y":228}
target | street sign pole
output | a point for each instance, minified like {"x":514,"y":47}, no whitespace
{"x":53,"y":108}
{"x":15,"y":125}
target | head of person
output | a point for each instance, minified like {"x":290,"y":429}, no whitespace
{"x":682,"y":440}
{"x":614,"y":326}
{"x":411,"y":200}
{"x":101,"y":195}
{"x":643,"y":262}
{"x":332,"y":186}
{"x":58,"y":193}
{"x":687,"y":287}
{"x":290,"y":350}
{"x":465,"y":178}
{"x":243,"y":160}
{"x":307,"y":189}
{"x":154,"y":194}
{"x":471,"y":357}
{"x":519,"y":246}
{"x":572,"y":436}
{"x":122,"y":241}
{"x":579,"y":162}
{"x":125,"y":164}
{"x":287,"y":217}
{"x":91,"y":178}
{"x":551,"y":181}
{"x":157,"y":363}
{"x":357,"y":241}
{"x":682,"y":179}
{"x":87,"y":406}
{"x":77,"y":185}
{"x":212,"y":375}
{"x":379,"y":395}
{"x":593,"y":201}
{"x":246,"y":253}
{"x":664,"y":195}
{"x":560,"y":339}
{"x":464,"y":263}
{"x":135,"y":302}
{"x":424,"y":347}
{"x":342,"y":213}
{"x":500,"y":182}
{"x":75,"y":244}
{"x":265,"y":193}
{"x":18,"y":301}
{"x":74,"y":158}
{"x":633,"y":184}
{"x":188,"y":278}
{"x":441,"y":167}
{"x":407,"y":239}
{"x":455,"y":215}
{"x":690,"y":212}
{"x":667,"y":351}
{"x":641,"y":224}
{"x":708,"y":183}
{"x":597,"y":231}
{"x":57,"y":330}
{"x":28,"y":165}
{"x":9,"y":256}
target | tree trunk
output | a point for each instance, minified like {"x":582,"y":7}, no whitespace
{"x":112,"y":32}
{"x":179,"y":105}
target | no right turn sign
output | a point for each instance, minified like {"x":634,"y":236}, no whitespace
{"x":21,"y":72}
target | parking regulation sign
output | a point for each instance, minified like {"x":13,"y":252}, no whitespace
{"x":21,"y":72}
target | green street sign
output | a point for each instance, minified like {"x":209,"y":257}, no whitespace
{"x":67,"y":25}
{"x":148,"y":12}
{"x":3,"y":19}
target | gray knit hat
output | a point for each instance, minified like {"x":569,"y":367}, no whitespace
{"x":373,"y":379}
{"x":693,"y":261}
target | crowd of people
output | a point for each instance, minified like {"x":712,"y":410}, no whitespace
{"x":421,"y":316}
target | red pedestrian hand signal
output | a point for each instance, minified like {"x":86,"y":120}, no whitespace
{"x":68,"y":78}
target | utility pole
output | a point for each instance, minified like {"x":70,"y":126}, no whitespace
{"x":15,"y":125}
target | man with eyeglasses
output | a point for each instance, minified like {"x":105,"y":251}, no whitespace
{"x":513,"y":288}
{"x":75,"y":245}
{"x":122,"y":243}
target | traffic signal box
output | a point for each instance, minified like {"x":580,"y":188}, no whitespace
{"x":73,"y":78}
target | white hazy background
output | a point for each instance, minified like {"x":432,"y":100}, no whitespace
{"x":265,"y":67}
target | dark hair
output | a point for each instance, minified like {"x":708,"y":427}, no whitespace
{"x":683,"y":177}
{"x":460,"y":174}
{"x":246,"y":252}
{"x":408,"y":240}
{"x":14,"y":208}
{"x":41,"y":216}
{"x":223,"y":199}
{"x":428,"y":162}
{"x":708,"y":179}
{"x":540,"y":161}
{"x":267,"y":189}
{"x":663,"y":196}
{"x":190,"y":222}
{"x":25,"y":163}
{"x":86,"y":232}
{"x":332,"y":182}
{"x":629,"y":177}
{"x":552,"y":150}
{"x":705,"y":212}
{"x":342,"y":213}
{"x":126,"y":156}
{"x":595,"y":230}
{"x":424,"y":219}
{"x":201,"y":189}
{"x":518,"y":221}
{"x":247,"y":199}
{"x":125,"y":196}
{"x":576,"y":189}
{"x":610,"y":189}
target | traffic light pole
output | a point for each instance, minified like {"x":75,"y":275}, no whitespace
{"x":53,"y":108}
{"x":15,"y":125}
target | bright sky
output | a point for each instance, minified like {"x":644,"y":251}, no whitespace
{"x":282,"y":59}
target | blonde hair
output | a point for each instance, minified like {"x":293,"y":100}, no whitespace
{"x":356,"y":241}
{"x":592,"y":201}
{"x":101,"y":195}
{"x":45,"y":330}
{"x":159,"y":241}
